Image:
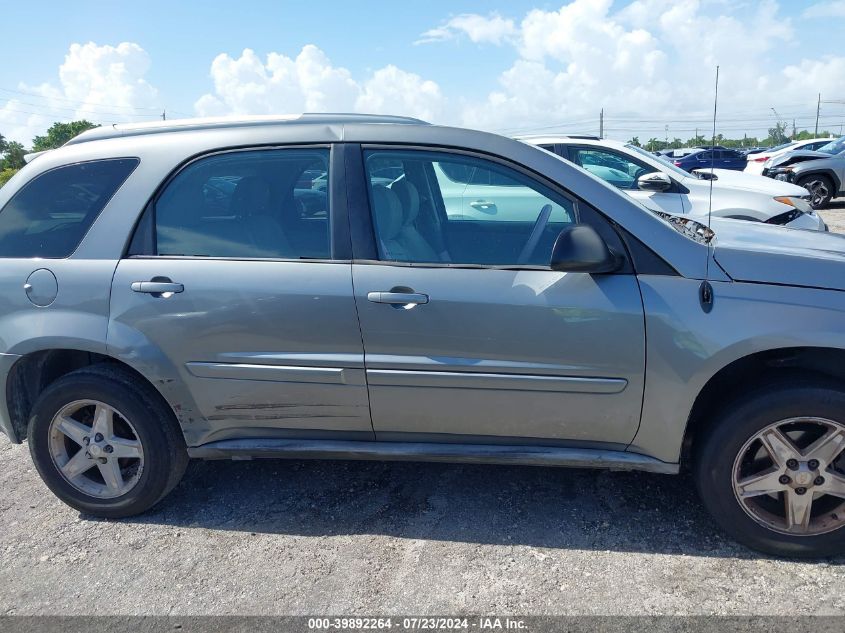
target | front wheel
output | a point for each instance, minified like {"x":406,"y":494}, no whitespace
{"x":106,"y":443}
{"x":772,"y":471}
{"x":821,"y":190}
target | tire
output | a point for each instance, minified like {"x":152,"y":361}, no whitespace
{"x":821,"y":189}
{"x":716,"y":456}
{"x":143,"y":417}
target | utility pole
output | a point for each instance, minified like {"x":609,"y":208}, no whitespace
{"x":667,"y":136}
{"x":601,"y":123}
{"x":794,"y":130}
{"x":164,"y":115}
{"x":818,"y":109}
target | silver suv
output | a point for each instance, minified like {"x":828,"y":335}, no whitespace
{"x":296,"y":288}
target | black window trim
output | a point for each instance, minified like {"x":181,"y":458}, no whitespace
{"x":340,"y":248}
{"x":364,"y":250}
{"x":137,"y":160}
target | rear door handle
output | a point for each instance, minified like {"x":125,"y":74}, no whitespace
{"x":484,"y":205}
{"x":397,"y":298}
{"x":157,"y":287}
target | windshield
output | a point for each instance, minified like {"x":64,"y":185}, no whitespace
{"x":664,"y":162}
{"x":777,"y":148}
{"x":834,"y":147}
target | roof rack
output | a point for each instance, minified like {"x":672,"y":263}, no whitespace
{"x":205,"y":123}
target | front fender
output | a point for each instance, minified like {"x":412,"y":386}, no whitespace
{"x":812,"y":170}
{"x":686,"y":346}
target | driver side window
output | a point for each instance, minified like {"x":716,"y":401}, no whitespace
{"x":615,"y":169}
{"x":438,"y":207}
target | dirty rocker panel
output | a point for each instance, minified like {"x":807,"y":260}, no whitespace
{"x":421,"y":451}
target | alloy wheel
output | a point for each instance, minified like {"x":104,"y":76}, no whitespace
{"x":96,"y":449}
{"x":819,"y":192}
{"x":790,"y":476}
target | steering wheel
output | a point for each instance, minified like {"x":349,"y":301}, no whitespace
{"x":536,"y":234}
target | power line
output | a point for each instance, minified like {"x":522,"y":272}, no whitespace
{"x":58,"y":108}
{"x":40,"y":96}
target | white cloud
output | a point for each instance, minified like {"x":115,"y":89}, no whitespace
{"x":310,"y":83}
{"x":394,"y":91}
{"x":649,"y":62}
{"x":98,"y":83}
{"x":492,"y":29}
{"x":832,"y":9}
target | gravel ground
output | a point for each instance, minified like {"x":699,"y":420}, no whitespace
{"x":308,"y":537}
{"x":834,"y":216}
{"x":300,"y":537}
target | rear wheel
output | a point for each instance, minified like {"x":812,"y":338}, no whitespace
{"x":105,"y":443}
{"x":821,"y":189}
{"x":772,"y":472}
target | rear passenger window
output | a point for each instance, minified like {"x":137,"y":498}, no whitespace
{"x":50,"y":214}
{"x":252,"y":204}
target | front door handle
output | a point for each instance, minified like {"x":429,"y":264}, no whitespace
{"x":157,"y":287}
{"x":397,"y":298}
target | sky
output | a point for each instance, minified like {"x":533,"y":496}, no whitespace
{"x":511,"y":67}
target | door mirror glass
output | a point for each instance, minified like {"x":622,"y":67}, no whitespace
{"x":580,"y":249}
{"x":655,"y":181}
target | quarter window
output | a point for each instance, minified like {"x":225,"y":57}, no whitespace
{"x":251,"y":204}
{"x":437,"y":207}
{"x":49,"y":216}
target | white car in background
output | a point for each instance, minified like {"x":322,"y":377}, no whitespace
{"x":756,"y":162}
{"x":661,"y":186}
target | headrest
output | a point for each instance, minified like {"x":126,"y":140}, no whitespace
{"x":251,"y":196}
{"x":183,"y":203}
{"x":409,"y":196}
{"x":388,"y":212}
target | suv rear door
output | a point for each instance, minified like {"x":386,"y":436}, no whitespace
{"x":235,"y":286}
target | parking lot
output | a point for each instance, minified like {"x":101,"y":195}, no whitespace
{"x":834,"y":216}
{"x":300,"y":537}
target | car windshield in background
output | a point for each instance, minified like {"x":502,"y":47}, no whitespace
{"x":834,"y":147}
{"x":777,"y":148}
{"x":668,"y":165}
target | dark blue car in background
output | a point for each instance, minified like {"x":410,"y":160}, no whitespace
{"x":717,"y":158}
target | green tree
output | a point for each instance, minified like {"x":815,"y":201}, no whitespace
{"x":59,"y":134}
{"x":3,"y":144}
{"x":778,"y":133}
{"x":6,"y":174}
{"x":635,"y":141}
{"x":13,"y":158}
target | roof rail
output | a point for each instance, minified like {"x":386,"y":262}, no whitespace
{"x":205,"y":123}
{"x":585,"y":137}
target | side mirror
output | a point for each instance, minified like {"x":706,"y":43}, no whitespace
{"x":580,"y":249}
{"x":655,"y":181}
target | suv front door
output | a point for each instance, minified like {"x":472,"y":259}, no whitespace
{"x":469,"y":336}
{"x":232,"y":289}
